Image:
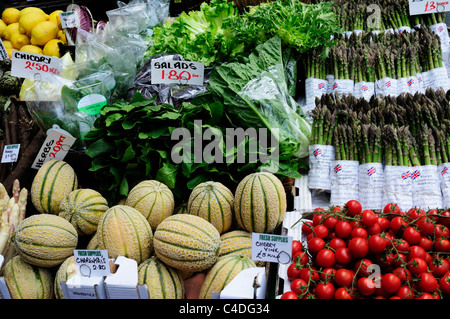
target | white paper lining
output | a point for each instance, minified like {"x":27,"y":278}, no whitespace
{"x":344,"y":182}
{"x":371,"y":182}
{"x":321,"y":158}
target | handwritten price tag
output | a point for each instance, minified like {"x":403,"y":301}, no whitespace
{"x":69,"y":19}
{"x":417,"y":7}
{"x":271,"y":248}
{"x":92,"y":263}
{"x":35,"y":66}
{"x":177,"y":72}
{"x":10,"y":153}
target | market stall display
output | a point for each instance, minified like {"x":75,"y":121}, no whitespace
{"x":167,"y":150}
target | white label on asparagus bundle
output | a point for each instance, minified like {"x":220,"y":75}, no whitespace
{"x":364,"y":89}
{"x":371,"y":182}
{"x":436,"y":78}
{"x":344,"y":182}
{"x":407,"y":85}
{"x":321,"y":158}
{"x":330,"y":80}
{"x":426,"y":188}
{"x":314,"y":88}
{"x":420,"y":84}
{"x":441,"y":30}
{"x":398,"y":186}
{"x":403,"y":29}
{"x":444,"y":179}
{"x":342,"y":87}
{"x":386,"y":86}
{"x":388,"y":31}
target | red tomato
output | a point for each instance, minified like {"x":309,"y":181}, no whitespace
{"x":344,"y":277}
{"x":417,"y":251}
{"x":425,"y":226}
{"x":342,"y":293}
{"x":374,"y":229}
{"x":444,"y":218}
{"x":427,"y":282}
{"x":377,"y":244}
{"x":405,"y":292}
{"x":403,"y":273}
{"x":439,"y":266}
{"x":384,"y":223}
{"x":441,"y":231}
{"x":301,"y":258}
{"x":343,"y":229}
{"x":299,"y":286}
{"x":359,"y":232}
{"x":399,"y":259}
{"x":411,"y":235}
{"x":416,"y":213}
{"x":296,"y":247}
{"x":343,"y":256}
{"x":336,"y":243}
{"x":396,"y":224}
{"x":330,"y":222}
{"x":307,"y":227}
{"x":426,"y":243}
{"x":320,"y":231}
{"x":366,"y":286}
{"x":362,"y":267}
{"x":359,"y":247}
{"x":425,"y":295}
{"x":444,"y":283}
{"x":310,"y":275}
{"x":391,"y":283}
{"x":353,"y":208}
{"x":293,"y":271}
{"x":391,"y":209}
{"x":325,"y":258}
{"x":327,"y":274}
{"x":441,"y":245}
{"x":318,"y":218}
{"x":315,"y":244}
{"x":368,"y":217}
{"x":401,"y":245}
{"x":324,"y":290}
{"x":417,"y":265}
{"x":289,"y":295}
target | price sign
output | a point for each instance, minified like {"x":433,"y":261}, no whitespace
{"x":10,"y":153}
{"x":92,"y":263}
{"x":417,"y":7}
{"x":35,"y":66}
{"x":69,"y":19}
{"x":271,"y":248}
{"x":177,"y":72}
{"x":56,"y":146}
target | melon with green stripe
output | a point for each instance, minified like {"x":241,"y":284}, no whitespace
{"x":65,"y":271}
{"x":124,"y":231}
{"x":52,"y":182}
{"x":214,"y":202}
{"x":237,"y":242}
{"x":260,"y":202}
{"x":25,"y":281}
{"x":83,"y":208}
{"x":162,"y":281}
{"x":222,"y":273}
{"x":153,"y":199}
{"x":187,"y":242}
{"x":45,"y":240}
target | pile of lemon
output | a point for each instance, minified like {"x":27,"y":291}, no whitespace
{"x":31,"y":30}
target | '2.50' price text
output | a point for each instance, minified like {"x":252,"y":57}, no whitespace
{"x":35,"y":66}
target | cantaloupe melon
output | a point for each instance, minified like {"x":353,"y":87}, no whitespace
{"x":260,"y":202}
{"x":45,"y":240}
{"x":25,"y":281}
{"x":153,"y":199}
{"x":187,"y":242}
{"x":66,"y":270}
{"x":163,"y":281}
{"x":124,"y":231}
{"x":83,"y":209}
{"x":52,"y":182}
{"x":223,"y":271}
{"x":93,"y":242}
{"x":214,"y":202}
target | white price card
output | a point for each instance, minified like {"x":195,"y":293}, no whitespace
{"x":35,"y":66}
{"x":271,"y":248}
{"x":56,"y":146}
{"x":417,"y":7}
{"x":92,"y":263}
{"x":69,"y":19}
{"x":3,"y":53}
{"x":10,"y":153}
{"x":177,"y":72}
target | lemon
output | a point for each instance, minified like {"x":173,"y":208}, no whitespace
{"x":18,"y":40}
{"x":54,"y":16}
{"x":10,"y":15}
{"x":31,"y":49}
{"x":62,"y":36}
{"x":9,"y":51}
{"x":52,"y":48}
{"x":7,"y":44}
{"x":29,"y":20}
{"x":43,"y":32}
{"x":2,"y":27}
{"x":31,"y":10}
{"x":10,"y":29}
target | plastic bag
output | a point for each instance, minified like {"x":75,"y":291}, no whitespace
{"x":155,"y":10}
{"x":174,"y":94}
